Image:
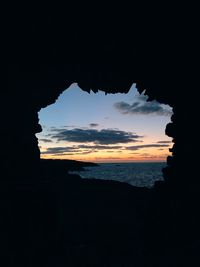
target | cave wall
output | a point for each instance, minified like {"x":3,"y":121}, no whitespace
{"x":155,"y":47}
{"x":48,"y":52}
{"x":35,"y":88}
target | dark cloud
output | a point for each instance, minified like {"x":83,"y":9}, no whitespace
{"x":87,"y":149}
{"x":102,"y":137}
{"x":99,"y":147}
{"x":145,"y":146}
{"x":46,"y":140}
{"x":80,"y":149}
{"x":72,"y":154}
{"x":93,"y":125}
{"x":164,"y":142}
{"x":60,"y":150}
{"x":63,"y":154}
{"x":68,"y":126}
{"x":141,"y":106}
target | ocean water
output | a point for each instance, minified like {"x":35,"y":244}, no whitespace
{"x":136,"y":174}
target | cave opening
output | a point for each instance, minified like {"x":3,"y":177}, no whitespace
{"x":122,"y":136}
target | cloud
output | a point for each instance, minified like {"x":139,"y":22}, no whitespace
{"x":102,"y":137}
{"x":164,"y":142}
{"x":62,"y":154}
{"x":93,"y":125}
{"x":87,"y":149}
{"x":67,"y":126}
{"x":146,"y":146}
{"x":106,"y":158}
{"x":60,"y":150}
{"x":46,"y":140}
{"x":99,"y":147}
{"x":80,"y":149}
{"x":142,"y":107}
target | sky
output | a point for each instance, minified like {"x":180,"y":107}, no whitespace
{"x":104,"y":128}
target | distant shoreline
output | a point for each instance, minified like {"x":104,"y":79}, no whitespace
{"x":66,"y":164}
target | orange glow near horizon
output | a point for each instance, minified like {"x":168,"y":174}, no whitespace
{"x":142,"y":155}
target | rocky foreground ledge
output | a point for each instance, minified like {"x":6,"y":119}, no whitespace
{"x":63,"y":220}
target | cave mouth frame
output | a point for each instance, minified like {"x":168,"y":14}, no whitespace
{"x":137,"y":91}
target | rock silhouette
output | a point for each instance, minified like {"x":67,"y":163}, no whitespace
{"x":60,"y":220}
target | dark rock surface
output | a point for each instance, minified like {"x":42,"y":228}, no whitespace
{"x":69,"y":221}
{"x":47,"y":221}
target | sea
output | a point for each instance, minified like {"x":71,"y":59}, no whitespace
{"x":138,"y":174}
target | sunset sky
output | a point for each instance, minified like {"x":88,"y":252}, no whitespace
{"x":104,"y":128}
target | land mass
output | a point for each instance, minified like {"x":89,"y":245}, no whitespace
{"x":64,"y":165}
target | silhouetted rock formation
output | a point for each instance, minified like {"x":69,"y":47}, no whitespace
{"x":64,"y":165}
{"x":55,"y":222}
